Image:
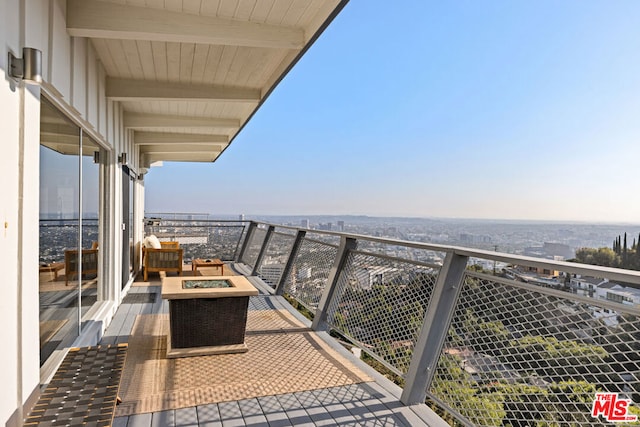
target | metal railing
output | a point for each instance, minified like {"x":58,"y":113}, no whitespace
{"x":200,"y":238}
{"x":483,"y":349}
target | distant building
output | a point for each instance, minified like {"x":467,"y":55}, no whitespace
{"x":241,"y":217}
{"x":614,"y":292}
{"x":540,"y":271}
{"x":558,"y":250}
{"x":340,"y":225}
{"x":585,"y":286}
{"x":555,"y":251}
{"x":367,"y":277}
{"x":304,"y":223}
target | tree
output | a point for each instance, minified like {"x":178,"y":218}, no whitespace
{"x":555,"y":359}
{"x":602,"y":256}
{"x":456,"y":388}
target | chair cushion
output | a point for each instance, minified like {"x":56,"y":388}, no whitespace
{"x":152,"y":242}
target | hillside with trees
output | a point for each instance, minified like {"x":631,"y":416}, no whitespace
{"x":620,"y":255}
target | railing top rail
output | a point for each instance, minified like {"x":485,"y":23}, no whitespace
{"x":613,"y":274}
{"x":151,"y":218}
{"x":616,"y":274}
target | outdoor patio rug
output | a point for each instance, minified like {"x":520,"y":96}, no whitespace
{"x":283,"y":357}
{"x":84,"y":389}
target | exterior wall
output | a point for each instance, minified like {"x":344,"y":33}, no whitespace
{"x":9,"y":194}
{"x":75,"y":82}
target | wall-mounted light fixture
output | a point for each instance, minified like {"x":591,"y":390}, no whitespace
{"x":122,"y":159}
{"x":28,"y":68}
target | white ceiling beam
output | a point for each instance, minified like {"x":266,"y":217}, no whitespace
{"x":143,"y":90}
{"x":182,"y":148}
{"x":158,"y":138}
{"x":99,"y":19}
{"x":142,"y":121}
{"x":182,"y":157}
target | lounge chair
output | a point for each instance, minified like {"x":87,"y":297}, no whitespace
{"x":89,"y":263}
{"x":167,"y":258}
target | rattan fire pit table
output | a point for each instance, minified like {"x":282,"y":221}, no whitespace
{"x":207,"y":314}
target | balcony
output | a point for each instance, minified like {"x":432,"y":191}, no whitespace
{"x":486,"y":348}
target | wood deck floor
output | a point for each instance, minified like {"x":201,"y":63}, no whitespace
{"x":372,"y":403}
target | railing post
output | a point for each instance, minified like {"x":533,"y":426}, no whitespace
{"x":247,"y":239}
{"x":290,"y":261}
{"x":347,"y":244}
{"x":263,"y":250}
{"x":434,"y":329}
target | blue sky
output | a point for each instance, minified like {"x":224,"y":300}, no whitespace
{"x":467,"y":109}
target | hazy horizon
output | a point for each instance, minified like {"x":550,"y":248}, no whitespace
{"x":426,"y":218}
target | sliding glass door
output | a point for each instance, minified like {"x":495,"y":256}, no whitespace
{"x":69,"y":228}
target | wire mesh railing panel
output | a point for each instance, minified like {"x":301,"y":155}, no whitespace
{"x":517,"y":356}
{"x":253,"y":249}
{"x":275,"y":258}
{"x":200,"y":239}
{"x":380,"y":304}
{"x":310,"y":272}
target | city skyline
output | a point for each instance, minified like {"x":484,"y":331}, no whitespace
{"x":487,"y":110}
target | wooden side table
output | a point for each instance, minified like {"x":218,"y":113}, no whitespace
{"x":54,"y":267}
{"x":212,"y":262}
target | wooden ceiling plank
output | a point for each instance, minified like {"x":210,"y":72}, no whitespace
{"x":200,"y":56}
{"x":100,"y":19}
{"x":158,"y":4}
{"x":209,"y":7}
{"x":226,"y":59}
{"x":227,"y":8}
{"x":261,"y":11}
{"x":278,"y":12}
{"x":146,"y":59}
{"x":191,"y":6}
{"x":173,"y":61}
{"x":213,"y":59}
{"x":245,"y":9}
{"x":173,"y":5}
{"x":119,"y":57}
{"x":295,"y":13}
{"x":159,"y":51}
{"x":237,"y":71}
{"x":132,"y":55}
{"x":101,"y":48}
{"x":187,"y":51}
